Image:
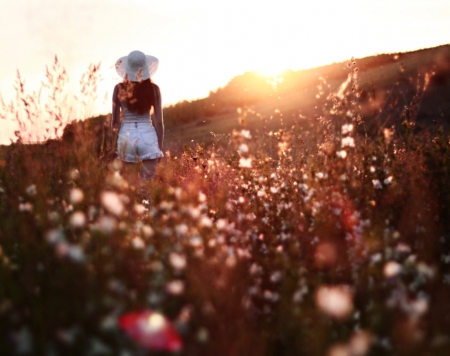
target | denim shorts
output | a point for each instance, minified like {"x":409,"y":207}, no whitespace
{"x":137,"y":141}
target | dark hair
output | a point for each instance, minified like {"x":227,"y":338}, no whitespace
{"x":139,"y":96}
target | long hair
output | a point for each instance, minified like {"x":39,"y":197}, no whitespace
{"x":139,"y":96}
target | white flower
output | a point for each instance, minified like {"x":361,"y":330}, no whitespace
{"x":138,"y":243}
{"x":221,"y":224}
{"x":261,"y":193}
{"x":348,"y":142}
{"x":201,"y":197}
{"x":392,"y":269}
{"x":139,"y":209}
{"x":147,"y":231}
{"x":77,"y":219}
{"x":246,"y":134}
{"x":53,"y":236}
{"x":245,"y":162}
{"x":276,"y":277}
{"x":25,"y":206}
{"x":181,"y":229}
{"x":243,"y":148}
{"x":31,"y":190}
{"x":75,"y":253}
{"x":376,"y":184}
{"x":360,"y":343}
{"x":341,"y":154}
{"x":107,"y":224}
{"x":274,"y":190}
{"x":175,"y":287}
{"x":112,"y":202}
{"x":178,"y":261}
{"x":388,"y":180}
{"x":76,"y":196}
{"x":206,"y":222}
{"x":74,"y":174}
{"x":196,"y":241}
{"x":346,"y":129}
{"x":336,"y":301}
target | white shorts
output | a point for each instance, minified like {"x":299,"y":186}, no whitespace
{"x":137,"y":141}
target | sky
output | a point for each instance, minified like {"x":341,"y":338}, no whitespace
{"x":202,"y":44}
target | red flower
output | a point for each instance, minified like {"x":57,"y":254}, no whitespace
{"x":151,"y":330}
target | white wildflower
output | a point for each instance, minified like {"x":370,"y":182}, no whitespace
{"x":376,"y":184}
{"x":112,"y":202}
{"x":246,"y":134}
{"x":138,"y":243}
{"x":222,"y":224}
{"x":181,"y":229}
{"x":388,"y":180}
{"x":74,"y":174}
{"x":147,"y":231}
{"x":175,"y":287}
{"x":77,"y":219}
{"x":107,"y":224}
{"x":139,"y":209}
{"x":196,"y":241}
{"x":243,"y":148}
{"x":206,"y":222}
{"x":335,"y":301}
{"x":348,"y":142}
{"x":76,"y":196}
{"x":346,"y":129}
{"x":75,"y":253}
{"x":341,"y":154}
{"x":177,"y":260}
{"x":245,"y":162}
{"x":25,"y":206}
{"x":31,"y":190}
{"x":392,"y":269}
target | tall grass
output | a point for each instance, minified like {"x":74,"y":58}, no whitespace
{"x":312,"y":239}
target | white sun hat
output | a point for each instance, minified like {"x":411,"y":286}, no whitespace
{"x":137,"y":66}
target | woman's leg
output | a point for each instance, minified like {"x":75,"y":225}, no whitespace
{"x":148,"y":168}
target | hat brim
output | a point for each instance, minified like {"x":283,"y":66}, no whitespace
{"x":152,"y":66}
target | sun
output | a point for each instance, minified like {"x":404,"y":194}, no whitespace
{"x":269,"y":70}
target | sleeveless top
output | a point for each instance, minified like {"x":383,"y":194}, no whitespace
{"x":129,"y":116}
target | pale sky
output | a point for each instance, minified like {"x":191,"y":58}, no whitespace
{"x":202,"y":44}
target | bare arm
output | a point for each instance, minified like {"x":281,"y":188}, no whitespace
{"x":159,"y":123}
{"x":115,"y":116}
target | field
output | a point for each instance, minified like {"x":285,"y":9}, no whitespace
{"x":318,"y":226}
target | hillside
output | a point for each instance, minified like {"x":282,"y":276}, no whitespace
{"x":385,"y":83}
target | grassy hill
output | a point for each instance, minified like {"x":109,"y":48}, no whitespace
{"x":385,"y":83}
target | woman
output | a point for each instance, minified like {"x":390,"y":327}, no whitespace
{"x":138,"y":140}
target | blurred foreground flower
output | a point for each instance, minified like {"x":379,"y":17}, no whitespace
{"x":151,"y":330}
{"x":111,"y":201}
{"x":392,"y":269}
{"x":336,"y":301}
{"x":348,"y":142}
{"x":346,"y":129}
{"x":76,"y":196}
{"x":31,"y":190}
{"x":245,"y":163}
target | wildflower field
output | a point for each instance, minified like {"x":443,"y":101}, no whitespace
{"x":313,"y":238}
